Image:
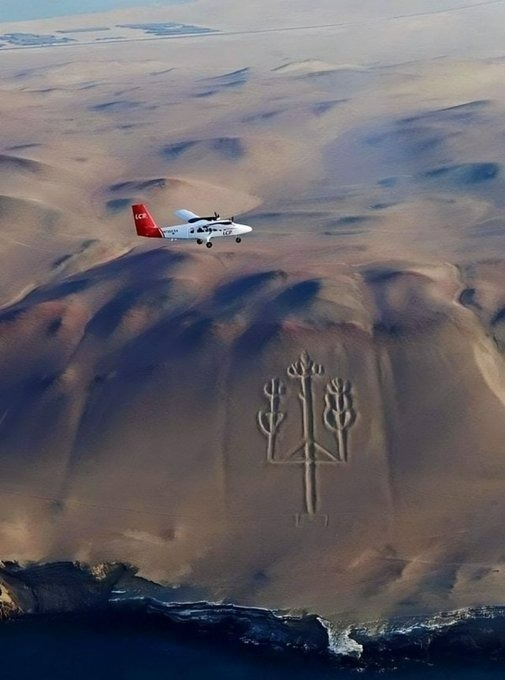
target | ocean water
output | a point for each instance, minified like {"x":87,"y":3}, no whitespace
{"x":139,"y":648}
{"x":28,"y":10}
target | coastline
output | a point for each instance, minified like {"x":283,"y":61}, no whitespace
{"x":69,"y":590}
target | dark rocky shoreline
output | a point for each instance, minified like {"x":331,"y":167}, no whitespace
{"x":68,"y":587}
{"x":473,"y":634}
{"x":65,"y":589}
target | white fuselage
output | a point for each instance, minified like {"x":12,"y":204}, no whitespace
{"x":205,"y":230}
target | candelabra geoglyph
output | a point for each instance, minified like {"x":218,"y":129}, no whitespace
{"x":338,"y":416}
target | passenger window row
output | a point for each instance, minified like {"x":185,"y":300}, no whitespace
{"x":200,"y":230}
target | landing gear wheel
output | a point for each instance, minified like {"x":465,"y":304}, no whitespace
{"x":238,"y":239}
{"x":199,"y":241}
{"x":209,"y":244}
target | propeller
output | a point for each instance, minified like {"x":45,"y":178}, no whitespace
{"x":216,"y":215}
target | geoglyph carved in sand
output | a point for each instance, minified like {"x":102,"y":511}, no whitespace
{"x":338,"y":416}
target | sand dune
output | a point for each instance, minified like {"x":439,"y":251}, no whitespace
{"x":76,"y":72}
{"x":307,"y":66}
{"x":465,"y":174}
{"x":15,"y":163}
{"x":19,"y":212}
{"x":159,"y":338}
{"x":232,"y":79}
{"x":161,"y":192}
{"x":229,"y":148}
{"x":260,"y":321}
{"x":154,"y":395}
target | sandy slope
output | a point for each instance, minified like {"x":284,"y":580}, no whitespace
{"x":137,"y":377}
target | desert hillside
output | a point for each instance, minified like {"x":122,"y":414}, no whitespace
{"x":312,"y":419}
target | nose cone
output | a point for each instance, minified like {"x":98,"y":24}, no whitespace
{"x":244,"y":229}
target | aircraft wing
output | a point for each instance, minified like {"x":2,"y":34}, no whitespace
{"x":185,"y":214}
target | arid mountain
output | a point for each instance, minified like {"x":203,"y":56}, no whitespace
{"x":312,"y":419}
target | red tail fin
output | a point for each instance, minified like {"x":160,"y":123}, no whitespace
{"x":144,"y":223}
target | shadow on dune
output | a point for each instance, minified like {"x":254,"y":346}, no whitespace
{"x":38,"y":382}
{"x":181,"y":332}
{"x":420,"y":149}
{"x":381,"y":275}
{"x":172,"y":349}
{"x":262,"y":116}
{"x":498,"y":327}
{"x":178,"y":149}
{"x":227,"y":148}
{"x":411,"y":140}
{"x":256,"y":338}
{"x":232,"y":79}
{"x":117,"y":205}
{"x":117,"y":106}
{"x":14,"y":163}
{"x":139,"y":185}
{"x":321,"y":108}
{"x":295,"y":297}
{"x":404,"y":304}
{"x":464,"y":174}
{"x":235,"y":292}
{"x":349,"y":225}
{"x":470,"y":112}
{"x":45,"y":294}
{"x":231,"y":148}
{"x":491,"y":228}
{"x":152,"y":293}
{"x":23,"y":147}
{"x":268,"y":322}
{"x":174,"y":336}
{"x":138,"y":270}
{"x":20,"y":211}
{"x":468,"y":298}
{"x":85,"y":245}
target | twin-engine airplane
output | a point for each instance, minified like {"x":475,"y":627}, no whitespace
{"x":197,"y":228}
